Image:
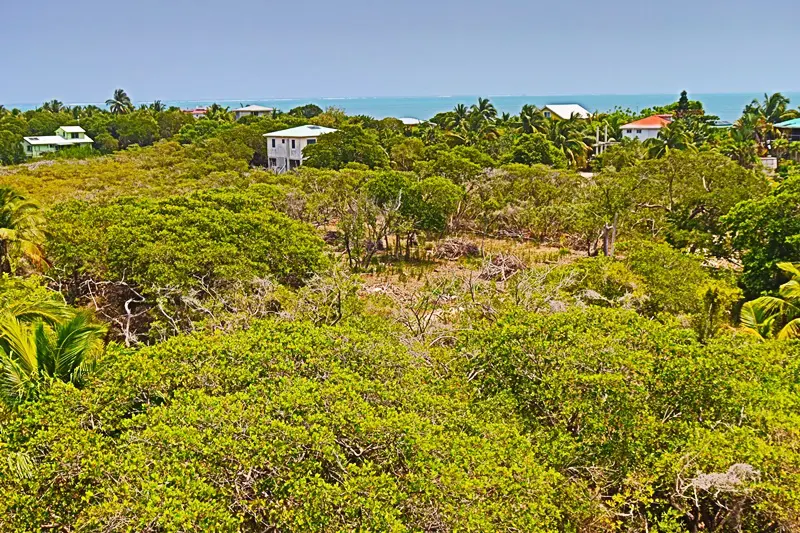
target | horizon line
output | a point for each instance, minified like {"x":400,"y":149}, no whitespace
{"x":409,"y":97}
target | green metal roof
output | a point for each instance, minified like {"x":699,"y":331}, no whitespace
{"x":790,"y":124}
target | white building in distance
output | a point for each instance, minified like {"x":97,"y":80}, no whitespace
{"x":564,"y":111}
{"x":646,"y":128}
{"x":65,"y":136}
{"x":285,"y":147}
{"x":251,"y":110}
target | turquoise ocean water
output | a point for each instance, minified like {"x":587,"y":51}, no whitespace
{"x":728,"y":106}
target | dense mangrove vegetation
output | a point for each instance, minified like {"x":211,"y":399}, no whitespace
{"x":477,"y":323}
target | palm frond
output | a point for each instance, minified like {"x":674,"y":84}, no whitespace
{"x":790,"y":268}
{"x":755,"y":320}
{"x":20,"y":343}
{"x":74,"y":342}
{"x":790,"y":330}
{"x":15,"y":381}
{"x":50,"y":311}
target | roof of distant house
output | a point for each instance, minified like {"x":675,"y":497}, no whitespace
{"x":196,"y":111}
{"x":56,"y":139}
{"x":654,"y":122}
{"x":73,"y":129}
{"x":251,"y":108}
{"x":565,"y":111}
{"x":790,"y":124}
{"x":409,"y":121}
{"x":301,"y":132}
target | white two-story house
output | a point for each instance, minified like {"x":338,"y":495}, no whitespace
{"x":65,"y":136}
{"x":285,"y":147}
{"x":646,"y":128}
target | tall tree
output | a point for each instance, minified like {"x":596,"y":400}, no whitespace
{"x":568,"y":136}
{"x":531,"y":119}
{"x":484,"y":109}
{"x":120,"y":103}
{"x":54,"y":106}
{"x":673,"y":136}
{"x":773,"y":109}
{"x":219,"y":113}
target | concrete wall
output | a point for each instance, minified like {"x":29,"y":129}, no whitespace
{"x":641,"y":134}
{"x":240,"y":114}
{"x":36,"y":150}
{"x":283,"y":150}
{"x":61,"y":133}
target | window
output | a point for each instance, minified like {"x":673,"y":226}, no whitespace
{"x":311,"y":141}
{"x":628,"y":131}
{"x":547,"y":114}
{"x":638,"y":131}
{"x":283,"y":141}
{"x":273,"y":162}
{"x":30,"y":148}
{"x":293,"y":144}
{"x":75,"y":135}
{"x":294,"y":163}
{"x":273,"y":143}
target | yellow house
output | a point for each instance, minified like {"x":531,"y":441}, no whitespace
{"x":564,"y":111}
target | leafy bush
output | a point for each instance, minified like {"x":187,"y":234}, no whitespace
{"x":179,"y":251}
{"x":288,"y":427}
{"x":641,"y":412}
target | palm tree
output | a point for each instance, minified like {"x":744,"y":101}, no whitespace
{"x":484,"y":109}
{"x":779,"y":315}
{"x":532,"y":119}
{"x":54,"y":106}
{"x":217,"y":112}
{"x":774,"y":108}
{"x":460,"y":114}
{"x":120,"y":103}
{"x":3,"y":110}
{"x":740,"y":146}
{"x":158,"y":106}
{"x":31,"y":354}
{"x":20,"y":233}
{"x":673,"y":136}
{"x":568,"y":136}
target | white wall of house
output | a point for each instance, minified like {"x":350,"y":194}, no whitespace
{"x":642,"y":134}
{"x":285,"y":152}
{"x":239,"y":114}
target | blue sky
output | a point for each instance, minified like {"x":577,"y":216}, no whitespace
{"x":81,"y":50}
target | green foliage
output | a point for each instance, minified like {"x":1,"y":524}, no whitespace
{"x":686,"y":194}
{"x":306,"y":111}
{"x":236,"y":429}
{"x":779,"y":316}
{"x":536,"y":149}
{"x":672,"y":278}
{"x":11,"y":151}
{"x":642,"y":412}
{"x":766,"y":231}
{"x":175,"y":253}
{"x":627,"y":153}
{"x":351,"y":144}
{"x":32,"y":354}
{"x":20,"y":230}
{"x":76,"y":152}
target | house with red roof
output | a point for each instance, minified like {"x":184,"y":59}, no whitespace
{"x":646,"y":128}
{"x":197,"y":112}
